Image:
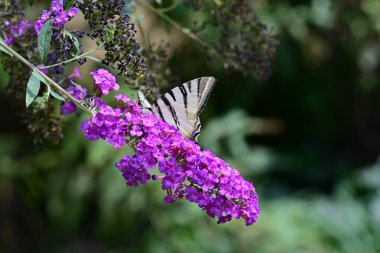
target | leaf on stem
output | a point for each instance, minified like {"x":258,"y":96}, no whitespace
{"x":32,"y":89}
{"x":3,"y":49}
{"x":165,"y":24}
{"x":56,"y":95}
{"x":50,"y":90}
{"x":92,"y":58}
{"x":67,"y":4}
{"x":44,"y":39}
{"x":74,"y":40}
{"x":41,"y":78}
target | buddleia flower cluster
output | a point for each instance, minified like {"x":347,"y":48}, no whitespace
{"x":160,"y":73}
{"x":185,"y":171}
{"x":247,"y":43}
{"x":114,"y":30}
{"x":243,"y":42}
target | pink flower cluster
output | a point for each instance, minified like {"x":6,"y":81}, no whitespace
{"x":104,"y":82}
{"x":185,"y":171}
{"x":57,"y":13}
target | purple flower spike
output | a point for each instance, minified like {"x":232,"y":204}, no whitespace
{"x":104,"y":81}
{"x":57,"y":13}
{"x":185,"y":171}
{"x":13,"y":32}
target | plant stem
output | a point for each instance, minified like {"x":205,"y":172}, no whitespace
{"x":69,"y":60}
{"x":145,"y":44}
{"x":184,"y":30}
{"x":171,"y":7}
{"x":48,"y":79}
{"x":218,"y":2}
{"x":6,"y":4}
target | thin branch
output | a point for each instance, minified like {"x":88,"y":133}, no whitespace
{"x":78,"y":57}
{"x":48,"y":79}
{"x":184,"y":30}
{"x":171,"y":7}
{"x":218,"y":2}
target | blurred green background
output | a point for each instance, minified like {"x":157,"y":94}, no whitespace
{"x":308,"y":138}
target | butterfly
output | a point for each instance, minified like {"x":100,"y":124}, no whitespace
{"x":182,"y":105}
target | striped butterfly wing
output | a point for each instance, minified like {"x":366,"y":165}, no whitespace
{"x":182,"y":106}
{"x":144,"y":103}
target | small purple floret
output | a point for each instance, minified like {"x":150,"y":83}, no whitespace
{"x":75,"y":73}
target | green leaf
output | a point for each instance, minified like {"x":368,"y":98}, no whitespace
{"x":92,"y":58}
{"x":129,"y":7}
{"x":50,"y":91}
{"x":56,"y":95}
{"x":3,"y":49}
{"x":159,"y":2}
{"x":41,"y":78}
{"x":74,"y":39}
{"x":31,"y":2}
{"x":44,"y":39}
{"x":32,"y":89}
{"x":165,"y":25}
{"x":76,"y":44}
{"x":67,"y":4}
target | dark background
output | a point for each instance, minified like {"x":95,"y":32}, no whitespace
{"x":308,"y":138}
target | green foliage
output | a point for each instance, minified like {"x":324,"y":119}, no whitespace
{"x":44,"y":39}
{"x":3,"y":49}
{"x":67,"y":4}
{"x":56,"y":95}
{"x":73,"y":38}
{"x":32,"y":89}
{"x":82,"y":196}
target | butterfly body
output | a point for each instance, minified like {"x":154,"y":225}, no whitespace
{"x":182,"y":105}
